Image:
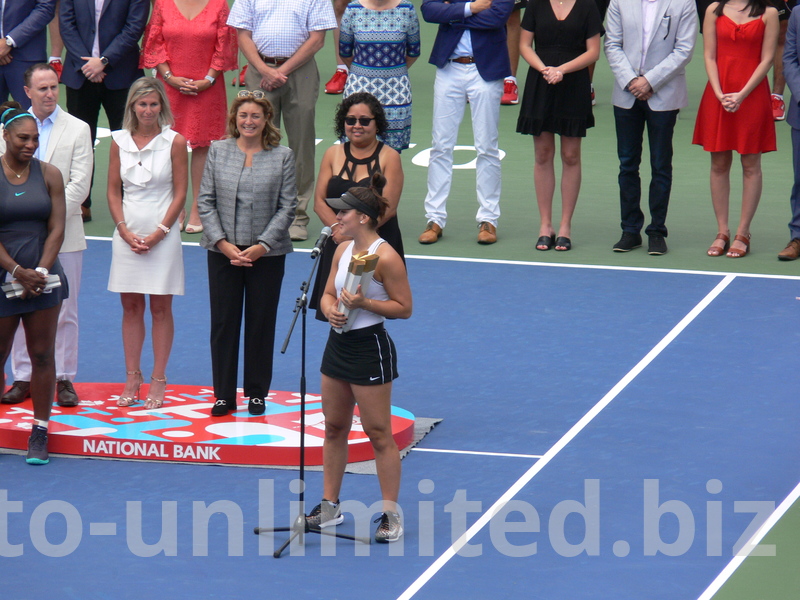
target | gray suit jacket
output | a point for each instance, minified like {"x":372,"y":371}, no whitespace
{"x":274,"y":188}
{"x":791,"y":68}
{"x":669,"y":50}
{"x":69,"y":149}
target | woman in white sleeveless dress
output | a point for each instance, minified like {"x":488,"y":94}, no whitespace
{"x":147,"y":181}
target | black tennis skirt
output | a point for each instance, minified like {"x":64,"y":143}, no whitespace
{"x":362,"y":356}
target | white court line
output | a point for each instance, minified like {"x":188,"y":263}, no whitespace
{"x":476,"y":453}
{"x":565,"y":439}
{"x":495,"y":261}
{"x":759,"y":535}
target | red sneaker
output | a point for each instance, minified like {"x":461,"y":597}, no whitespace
{"x":778,"y":107}
{"x":239,"y":79}
{"x":510,"y":93}
{"x":336,"y":83}
{"x":56,"y":64}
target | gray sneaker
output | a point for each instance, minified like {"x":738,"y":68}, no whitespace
{"x":37,"y":447}
{"x":390,"y":529}
{"x":325,"y":514}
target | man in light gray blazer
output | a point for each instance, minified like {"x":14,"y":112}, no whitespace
{"x":64,"y":142}
{"x":648,"y":45}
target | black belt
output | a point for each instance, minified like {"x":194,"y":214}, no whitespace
{"x":464,"y":60}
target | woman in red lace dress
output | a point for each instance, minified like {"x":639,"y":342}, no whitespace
{"x":190,"y":45}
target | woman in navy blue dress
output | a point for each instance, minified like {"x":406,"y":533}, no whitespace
{"x":32,"y":216}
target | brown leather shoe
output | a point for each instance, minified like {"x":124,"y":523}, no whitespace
{"x":17,"y":393}
{"x":487,"y":233}
{"x":791,"y":252}
{"x":431,"y":234}
{"x":65,"y":393}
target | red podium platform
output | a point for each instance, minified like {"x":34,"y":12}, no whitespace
{"x":183,"y":430}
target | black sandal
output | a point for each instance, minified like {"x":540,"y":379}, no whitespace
{"x":547,"y":241}
{"x":563,"y":244}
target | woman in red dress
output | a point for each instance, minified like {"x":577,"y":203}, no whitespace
{"x":735,"y":113}
{"x":190,"y":45}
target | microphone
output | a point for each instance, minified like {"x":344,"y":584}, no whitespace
{"x":323,"y":237}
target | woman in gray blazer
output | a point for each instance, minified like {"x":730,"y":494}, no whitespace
{"x":246,"y":202}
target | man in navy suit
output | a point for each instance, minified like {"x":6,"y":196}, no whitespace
{"x":469,"y":53}
{"x":791,"y":71}
{"x":102,"y":42}
{"x":23,"y":42}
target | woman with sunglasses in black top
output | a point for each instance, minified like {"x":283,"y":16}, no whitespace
{"x":361,"y":121}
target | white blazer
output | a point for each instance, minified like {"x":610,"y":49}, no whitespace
{"x":70,"y":151}
{"x":669,"y":50}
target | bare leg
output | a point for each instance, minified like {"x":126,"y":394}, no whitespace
{"x":374,"y":406}
{"x":751,"y":195}
{"x":198,"y":164}
{"x":778,"y":82}
{"x":40,"y":337}
{"x":132,"y":340}
{"x":337,"y":407}
{"x":338,"y":10}
{"x":570,"y":182}
{"x":163,"y":335}
{"x":544,"y":179}
{"x":56,"y":44}
{"x":512,"y":32}
{"x":721,"y":191}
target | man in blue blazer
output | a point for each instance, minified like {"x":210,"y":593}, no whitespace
{"x":791,"y":71}
{"x":102,"y":58}
{"x":472,"y":61}
{"x":23,"y":43}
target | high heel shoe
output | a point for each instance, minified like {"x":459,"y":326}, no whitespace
{"x":153,"y":403}
{"x":716,"y":250}
{"x":124,"y":401}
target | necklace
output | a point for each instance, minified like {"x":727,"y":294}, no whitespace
{"x":17,"y":175}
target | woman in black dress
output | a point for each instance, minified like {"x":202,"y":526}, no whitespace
{"x":361,"y":120}
{"x":557,"y":100}
{"x":32,"y":216}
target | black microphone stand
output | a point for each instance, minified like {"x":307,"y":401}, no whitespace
{"x":300,"y":526}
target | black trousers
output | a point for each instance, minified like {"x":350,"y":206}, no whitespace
{"x":253,"y":292}
{"x":85,"y":103}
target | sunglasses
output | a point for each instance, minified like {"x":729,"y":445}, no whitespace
{"x":257,"y":94}
{"x":363,"y":121}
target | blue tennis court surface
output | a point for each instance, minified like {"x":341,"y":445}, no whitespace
{"x":626,"y":426}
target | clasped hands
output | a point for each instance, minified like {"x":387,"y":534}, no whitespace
{"x":272,"y":79}
{"x":552,"y":75}
{"x":241,"y":258}
{"x":189,"y":87}
{"x":640,"y":88}
{"x":731,"y":102}
{"x":139,"y":244}
{"x":93,"y":69}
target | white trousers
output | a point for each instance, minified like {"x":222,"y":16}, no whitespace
{"x":67,"y":332}
{"x":455,"y":83}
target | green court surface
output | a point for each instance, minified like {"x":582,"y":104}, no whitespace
{"x":595,"y":229}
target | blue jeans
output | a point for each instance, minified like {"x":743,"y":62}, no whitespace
{"x":630,"y":123}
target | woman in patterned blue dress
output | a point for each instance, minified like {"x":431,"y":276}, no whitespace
{"x":379,"y":41}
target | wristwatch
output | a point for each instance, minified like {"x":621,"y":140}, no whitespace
{"x":9,"y":41}
{"x":42,"y":271}
{"x":104,"y":60}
